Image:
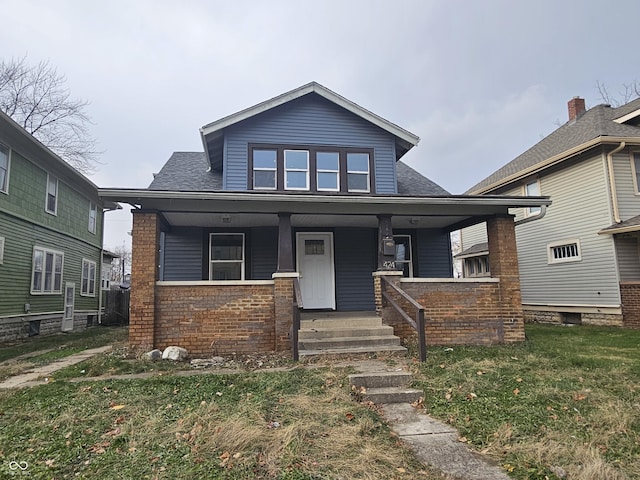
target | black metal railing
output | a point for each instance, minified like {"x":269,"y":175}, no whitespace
{"x":295,"y":327}
{"x":418,"y":324}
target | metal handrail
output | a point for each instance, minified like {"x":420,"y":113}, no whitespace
{"x":295,"y":327}
{"x":418,"y":324}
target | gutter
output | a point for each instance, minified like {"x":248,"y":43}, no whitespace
{"x":612,"y":182}
{"x":533,"y":218}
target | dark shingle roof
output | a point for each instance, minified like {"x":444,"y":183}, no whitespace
{"x":627,"y":224}
{"x":187,"y":172}
{"x":477,"y":249}
{"x":595,"y":122}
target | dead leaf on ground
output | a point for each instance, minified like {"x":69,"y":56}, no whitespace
{"x":516,"y":391}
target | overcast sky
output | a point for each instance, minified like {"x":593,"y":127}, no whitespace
{"x":478,"y":81}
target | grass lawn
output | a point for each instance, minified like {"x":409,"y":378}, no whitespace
{"x":567,"y":398}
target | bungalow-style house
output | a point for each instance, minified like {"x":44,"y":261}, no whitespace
{"x":579,"y":261}
{"x":50,"y":239}
{"x":303,"y":199}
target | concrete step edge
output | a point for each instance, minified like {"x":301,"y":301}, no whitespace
{"x":352,"y":350}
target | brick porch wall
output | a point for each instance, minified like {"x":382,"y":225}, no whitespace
{"x":215,"y":319}
{"x":630,"y":296}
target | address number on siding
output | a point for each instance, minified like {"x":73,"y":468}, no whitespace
{"x":389,"y":265}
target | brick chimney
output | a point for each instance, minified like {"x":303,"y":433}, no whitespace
{"x":576,"y":107}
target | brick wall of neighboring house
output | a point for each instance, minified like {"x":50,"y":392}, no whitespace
{"x":630,"y":296}
{"x":215,"y":320}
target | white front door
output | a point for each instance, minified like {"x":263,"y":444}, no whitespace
{"x":69,"y":300}
{"x":315,"y":266}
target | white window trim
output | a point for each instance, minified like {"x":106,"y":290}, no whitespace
{"x":531,"y":211}
{"x":105,"y":276}
{"x":1,"y":250}
{"x":273,"y":169}
{"x":211,"y":261}
{"x":551,"y":260}
{"x":481,"y":258}
{"x":44,"y":253}
{"x":410,"y":261}
{"x":69,"y":308}
{"x":359,"y":172}
{"x":326,"y":170}
{"x":88,"y":293}
{"x":46,"y":198}
{"x":93,"y":208}
{"x":287,"y":170}
{"x":6,"y":186}
{"x":635,"y":155}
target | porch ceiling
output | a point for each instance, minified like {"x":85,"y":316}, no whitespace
{"x":258,"y":208}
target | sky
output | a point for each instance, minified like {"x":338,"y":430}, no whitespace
{"x":479,"y":81}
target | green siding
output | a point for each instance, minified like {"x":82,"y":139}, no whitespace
{"x":15,"y":271}
{"x":26,"y":200}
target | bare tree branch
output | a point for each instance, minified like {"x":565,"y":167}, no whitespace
{"x":36,"y":98}
{"x":628,"y":92}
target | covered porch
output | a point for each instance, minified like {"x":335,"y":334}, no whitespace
{"x":217,"y":272}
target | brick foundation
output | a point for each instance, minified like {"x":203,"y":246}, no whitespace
{"x":22,"y":327}
{"x":630,"y":296}
{"x":579,"y":318}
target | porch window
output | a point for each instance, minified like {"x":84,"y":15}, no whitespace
{"x":328,"y":170}
{"x":226,"y":256}
{"x":46,"y":273}
{"x":296,"y":170}
{"x":88,"y":284}
{"x":532,"y":189}
{"x":4,"y":168}
{"x":264,"y":169}
{"x":358,"y":172}
{"x":52,"y":195}
{"x":403,"y":254}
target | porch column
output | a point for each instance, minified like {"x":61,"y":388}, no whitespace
{"x":283,"y":292}
{"x":385,"y":233}
{"x":144,"y":268}
{"x":285,"y":246}
{"x":503,"y":263}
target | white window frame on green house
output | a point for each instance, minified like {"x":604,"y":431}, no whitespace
{"x":1,"y":250}
{"x":220,"y":260}
{"x":635,"y":169}
{"x":105,"y":276}
{"x":5,"y":164}
{"x":53,"y":187}
{"x":565,"y":251}
{"x":41,"y":267}
{"x":532,"y":189}
{"x":93,"y":217}
{"x":88,"y":278}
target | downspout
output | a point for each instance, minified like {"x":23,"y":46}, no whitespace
{"x":532,"y":218}
{"x":612,"y":182}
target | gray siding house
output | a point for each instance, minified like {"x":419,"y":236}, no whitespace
{"x":579,"y":260}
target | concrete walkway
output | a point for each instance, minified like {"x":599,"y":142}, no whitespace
{"x":433,"y":442}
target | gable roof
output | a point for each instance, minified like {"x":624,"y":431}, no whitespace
{"x":405,"y":140}
{"x":598,"y":125}
{"x":189,"y":172}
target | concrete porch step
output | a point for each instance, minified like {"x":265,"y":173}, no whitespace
{"x":380,"y":379}
{"x":385,"y":387}
{"x":345,"y":342}
{"x":317,"y":322}
{"x":346,"y":331}
{"x":353,"y":350}
{"x":392,"y":395}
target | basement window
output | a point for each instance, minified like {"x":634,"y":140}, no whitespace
{"x":563,"y":252}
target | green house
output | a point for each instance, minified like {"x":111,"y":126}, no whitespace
{"x":51,"y":228}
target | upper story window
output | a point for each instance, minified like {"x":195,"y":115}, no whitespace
{"x":93,"y":217}
{"x":296,"y":170}
{"x":635,"y":166}
{"x":1,"y":250}
{"x":316,"y":169}
{"x":532,"y":189}
{"x":52,"y":195}
{"x":4,"y":168}
{"x":46,"y":271}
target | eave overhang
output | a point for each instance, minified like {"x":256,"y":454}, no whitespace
{"x":556,"y":159}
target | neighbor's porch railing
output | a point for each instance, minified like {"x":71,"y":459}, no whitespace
{"x":295,"y":328}
{"x":418,"y":324}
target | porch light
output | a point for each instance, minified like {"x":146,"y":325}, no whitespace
{"x":226,"y":218}
{"x":414,"y":221}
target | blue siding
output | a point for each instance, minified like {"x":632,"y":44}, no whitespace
{"x":264,"y":253}
{"x":182,"y":256}
{"x":355,"y":261}
{"x":309,"y":120}
{"x":434,"y":254}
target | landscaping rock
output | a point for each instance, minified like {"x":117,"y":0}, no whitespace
{"x":153,"y":355}
{"x":207,"y":362}
{"x":177,"y":354}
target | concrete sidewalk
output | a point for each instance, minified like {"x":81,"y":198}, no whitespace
{"x":38,"y":375}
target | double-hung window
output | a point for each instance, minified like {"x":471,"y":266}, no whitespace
{"x":403,"y":254}
{"x":52,"y":195}
{"x":93,"y":217}
{"x":532,"y":189}
{"x":1,"y":250}
{"x":4,"y":168}
{"x":635,"y":166}
{"x":226,"y":256}
{"x":328,"y":171}
{"x":46,"y":274}
{"x":357,"y":172}
{"x":264,"y":169}
{"x":88,"y":288}
{"x":296,"y":170}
